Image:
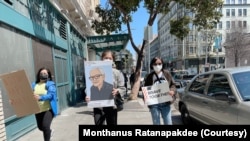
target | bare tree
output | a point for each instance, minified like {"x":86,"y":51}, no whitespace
{"x":236,"y":45}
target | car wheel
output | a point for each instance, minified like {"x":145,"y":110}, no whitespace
{"x":186,"y":119}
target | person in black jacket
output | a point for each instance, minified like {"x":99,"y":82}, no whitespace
{"x":125,"y":82}
{"x":132,"y":78}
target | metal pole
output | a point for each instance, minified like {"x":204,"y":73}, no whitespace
{"x":148,"y":56}
{"x":183,"y":55}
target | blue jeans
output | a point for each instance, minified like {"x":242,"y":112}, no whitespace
{"x":162,"y":109}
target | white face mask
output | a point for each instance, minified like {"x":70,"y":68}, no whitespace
{"x":107,"y":60}
{"x":157,"y":68}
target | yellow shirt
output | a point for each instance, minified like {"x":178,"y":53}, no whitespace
{"x":40,"y":89}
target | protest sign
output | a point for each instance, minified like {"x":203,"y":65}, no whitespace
{"x":99,"y":83}
{"x":20,"y":93}
{"x":156,"y":94}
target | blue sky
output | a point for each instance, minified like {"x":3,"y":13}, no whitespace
{"x":140,"y":19}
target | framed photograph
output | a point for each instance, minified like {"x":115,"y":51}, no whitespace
{"x":99,"y":83}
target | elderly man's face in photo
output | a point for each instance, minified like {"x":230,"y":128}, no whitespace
{"x":96,"y":77}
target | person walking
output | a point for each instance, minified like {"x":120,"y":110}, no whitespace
{"x":109,"y":114}
{"x":132,"y":78}
{"x":160,"y":75}
{"x":44,"y":89}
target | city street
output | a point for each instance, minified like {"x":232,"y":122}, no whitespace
{"x":65,"y":125}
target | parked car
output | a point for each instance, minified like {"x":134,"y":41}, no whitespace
{"x":217,"y":97}
{"x":180,"y":86}
{"x":143,"y":75}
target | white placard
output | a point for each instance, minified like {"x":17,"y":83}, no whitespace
{"x":157,"y":93}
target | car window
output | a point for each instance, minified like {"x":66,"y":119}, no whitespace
{"x":242,"y":81}
{"x":219,"y":83}
{"x":199,"y":83}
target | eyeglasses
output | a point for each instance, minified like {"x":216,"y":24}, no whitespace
{"x":157,"y":64}
{"x":95,"y":77}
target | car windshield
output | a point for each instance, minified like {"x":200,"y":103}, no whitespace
{"x":242,"y":81}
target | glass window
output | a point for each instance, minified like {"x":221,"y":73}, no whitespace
{"x":220,"y":25}
{"x":228,"y":24}
{"x":240,"y":23}
{"x":227,"y":12}
{"x":233,"y":12}
{"x":198,"y":85}
{"x":233,"y":24}
{"x":228,"y":2}
{"x":239,"y":1}
{"x":244,"y":12}
{"x":239,"y":12}
{"x":233,"y":2}
{"x":244,"y":24}
{"x":242,"y":81}
{"x":244,"y":1}
{"x":219,"y":83}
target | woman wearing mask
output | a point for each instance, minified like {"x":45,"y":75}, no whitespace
{"x":45,"y":93}
{"x":160,"y":109}
{"x":109,"y":114}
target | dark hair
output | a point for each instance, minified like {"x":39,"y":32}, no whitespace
{"x":154,"y":60}
{"x":38,"y":74}
{"x":104,"y":53}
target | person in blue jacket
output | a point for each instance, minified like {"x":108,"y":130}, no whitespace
{"x":44,"y":89}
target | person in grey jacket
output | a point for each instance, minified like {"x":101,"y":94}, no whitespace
{"x":109,"y":114}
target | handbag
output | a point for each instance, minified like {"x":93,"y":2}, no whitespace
{"x":119,"y":102}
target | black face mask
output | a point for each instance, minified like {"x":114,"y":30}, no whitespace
{"x":43,"y":76}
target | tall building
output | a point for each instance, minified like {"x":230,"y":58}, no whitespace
{"x":201,"y":50}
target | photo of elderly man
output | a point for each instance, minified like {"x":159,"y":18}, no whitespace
{"x":100,"y":89}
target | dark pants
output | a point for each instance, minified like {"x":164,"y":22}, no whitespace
{"x":44,"y":120}
{"x":108,"y":114}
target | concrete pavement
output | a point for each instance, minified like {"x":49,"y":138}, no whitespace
{"x":66,"y":124}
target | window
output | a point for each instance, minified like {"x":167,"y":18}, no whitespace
{"x":244,"y":1}
{"x":239,"y":23}
{"x":244,"y":12}
{"x":239,"y":12}
{"x":239,"y":1}
{"x":245,"y":24}
{"x":228,"y":24}
{"x":233,"y":12}
{"x":228,"y":2}
{"x":233,"y":24}
{"x":198,"y":85}
{"x":219,"y":83}
{"x":227,"y":12}
{"x":220,"y":25}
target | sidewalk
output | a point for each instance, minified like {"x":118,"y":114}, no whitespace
{"x":66,"y":124}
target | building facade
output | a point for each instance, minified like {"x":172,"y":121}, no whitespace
{"x":201,"y":50}
{"x":36,"y":34}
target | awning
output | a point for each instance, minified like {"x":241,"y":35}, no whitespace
{"x":115,"y":42}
